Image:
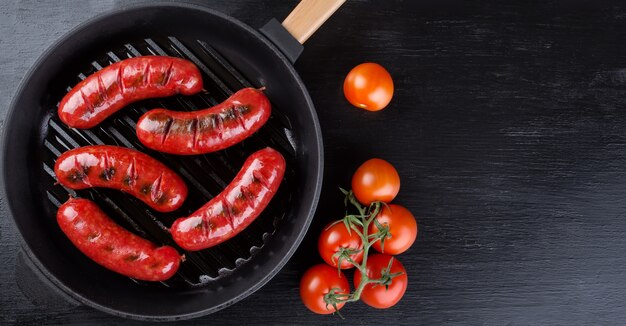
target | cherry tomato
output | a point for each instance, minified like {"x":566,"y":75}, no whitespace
{"x":368,"y":86}
{"x":376,"y":295}
{"x":318,"y":281}
{"x":375,"y":180}
{"x":333,"y":238}
{"x":402,"y":226}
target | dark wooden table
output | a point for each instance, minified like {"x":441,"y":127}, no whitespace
{"x":508,"y":129}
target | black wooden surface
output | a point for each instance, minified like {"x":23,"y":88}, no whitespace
{"x":508,"y":131}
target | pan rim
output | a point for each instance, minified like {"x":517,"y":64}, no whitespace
{"x":310,"y":210}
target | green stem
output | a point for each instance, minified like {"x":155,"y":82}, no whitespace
{"x":366,"y":219}
{"x":366,"y":216}
{"x":364,"y":278}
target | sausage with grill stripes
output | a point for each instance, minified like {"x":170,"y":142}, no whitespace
{"x":236,"y":207}
{"x":124,"y":169}
{"x":113,"y":87}
{"x":208,"y":130}
{"x":111,"y":246}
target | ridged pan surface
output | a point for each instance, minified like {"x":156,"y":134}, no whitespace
{"x":205,"y":175}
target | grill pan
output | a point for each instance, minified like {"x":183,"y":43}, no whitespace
{"x":230,"y":56}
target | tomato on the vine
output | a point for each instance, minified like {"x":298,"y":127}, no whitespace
{"x":335,"y":237}
{"x":378,"y":295}
{"x":402,"y":228}
{"x":368,"y":86}
{"x":375,"y":180}
{"x":316,"y":282}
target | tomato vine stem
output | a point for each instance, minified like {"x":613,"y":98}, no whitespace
{"x":360,"y":224}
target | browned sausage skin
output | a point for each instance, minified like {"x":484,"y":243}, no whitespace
{"x":208,"y":130}
{"x":108,"y":90}
{"x":124,"y":169}
{"x":236,"y":207}
{"x":111,"y":246}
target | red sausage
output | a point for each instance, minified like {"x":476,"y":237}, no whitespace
{"x":110,"y":89}
{"x":113,"y":247}
{"x":124,"y":169}
{"x":236,"y":207}
{"x":205,"y":131}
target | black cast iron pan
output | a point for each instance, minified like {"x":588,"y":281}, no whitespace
{"x":231,"y":55}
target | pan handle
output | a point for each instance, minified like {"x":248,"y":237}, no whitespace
{"x":303,"y":21}
{"x":308,"y":16}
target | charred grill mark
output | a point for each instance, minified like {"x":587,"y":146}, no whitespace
{"x":243,"y":109}
{"x":258,"y":177}
{"x":247,"y":196}
{"x":146,"y":189}
{"x":133,"y":170}
{"x":87,"y":101}
{"x":162,"y":200}
{"x":201,"y":225}
{"x":107,"y":161}
{"x":102,"y":91}
{"x":205,"y":224}
{"x":219,"y":125}
{"x":146,"y":74}
{"x":75,"y":177}
{"x":108,"y":248}
{"x":93,"y":236}
{"x":79,"y":172}
{"x":120,"y":80}
{"x":129,"y":179}
{"x":228,"y":213}
{"x":167,"y":129}
{"x":209,"y":122}
{"x":229,"y":114}
{"x":238,"y":112}
{"x":194,"y":129}
{"x":108,"y":171}
{"x":204,"y":124}
{"x":195,"y":126}
{"x":155,"y":191}
{"x":107,"y":174}
{"x":168,"y":74}
{"x":131,"y":258}
{"x":97,"y":102}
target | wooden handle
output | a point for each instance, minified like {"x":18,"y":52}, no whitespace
{"x":308,"y":16}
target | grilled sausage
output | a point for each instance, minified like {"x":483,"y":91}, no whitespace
{"x":236,"y":207}
{"x":124,"y":169}
{"x":111,"y":246}
{"x":110,"y":89}
{"x":205,"y":131}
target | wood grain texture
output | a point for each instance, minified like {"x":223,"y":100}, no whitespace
{"x":308,"y":16}
{"x":508,"y":129}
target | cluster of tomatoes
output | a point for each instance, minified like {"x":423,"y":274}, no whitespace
{"x":380,"y":280}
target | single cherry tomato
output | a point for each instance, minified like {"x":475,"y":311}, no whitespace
{"x":375,"y":180}
{"x":368,"y":86}
{"x":377,"y":295}
{"x":317,"y":282}
{"x":402,"y":229}
{"x":333,"y":238}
